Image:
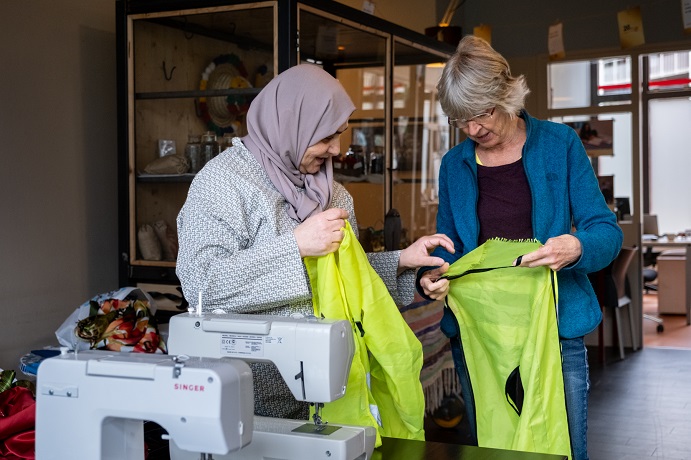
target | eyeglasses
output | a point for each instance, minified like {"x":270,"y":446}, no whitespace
{"x":480,"y":119}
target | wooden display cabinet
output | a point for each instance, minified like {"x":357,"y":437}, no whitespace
{"x":169,"y":56}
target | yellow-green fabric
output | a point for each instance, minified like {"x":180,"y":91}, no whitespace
{"x":507,"y":318}
{"x":384,"y":389}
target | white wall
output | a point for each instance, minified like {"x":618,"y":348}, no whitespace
{"x":58,"y":184}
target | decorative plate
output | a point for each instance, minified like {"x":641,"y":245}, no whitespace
{"x":221,"y":113}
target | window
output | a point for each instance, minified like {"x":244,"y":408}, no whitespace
{"x":669,"y":71}
{"x":613,"y":78}
{"x":598,"y":82}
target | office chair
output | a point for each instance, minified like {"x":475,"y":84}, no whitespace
{"x":650,"y":275}
{"x":649,"y":271}
{"x":659,"y":321}
{"x":650,"y":226}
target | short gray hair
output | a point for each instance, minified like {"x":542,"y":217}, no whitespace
{"x":477,"y":78}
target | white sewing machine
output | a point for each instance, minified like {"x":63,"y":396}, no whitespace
{"x":313,"y":356}
{"x":91,"y":405}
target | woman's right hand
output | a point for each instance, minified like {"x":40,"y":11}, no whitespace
{"x":432,"y":286}
{"x":321,"y":233}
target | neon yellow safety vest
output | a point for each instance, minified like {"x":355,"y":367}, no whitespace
{"x":508,"y":322}
{"x":383,"y":389}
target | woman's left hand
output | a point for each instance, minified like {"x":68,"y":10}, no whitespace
{"x":557,"y":253}
{"x":418,"y":254}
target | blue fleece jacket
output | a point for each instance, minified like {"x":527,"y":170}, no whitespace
{"x":565,"y":193}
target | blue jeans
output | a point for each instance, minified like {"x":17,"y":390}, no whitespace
{"x":576,"y":390}
{"x":576,"y":384}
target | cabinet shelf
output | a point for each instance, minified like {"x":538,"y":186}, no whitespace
{"x":158,"y":178}
{"x":153,"y":263}
{"x":198,"y":93}
{"x":153,"y":272}
{"x":190,"y":29}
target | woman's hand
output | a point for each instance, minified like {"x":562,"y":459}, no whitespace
{"x":557,"y":253}
{"x":418,"y":254}
{"x":432,"y":286}
{"x":321,"y":233}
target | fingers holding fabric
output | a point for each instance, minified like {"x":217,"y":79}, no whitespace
{"x":432,"y":285}
{"x":321,"y":233}
{"x":557,"y":253}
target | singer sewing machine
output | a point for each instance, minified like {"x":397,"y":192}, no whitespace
{"x":91,"y":405}
{"x":313,"y":356}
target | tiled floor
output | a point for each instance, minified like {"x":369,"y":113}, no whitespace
{"x":640,"y":408}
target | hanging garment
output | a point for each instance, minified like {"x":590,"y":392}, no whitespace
{"x":508,"y":321}
{"x":383,"y":389}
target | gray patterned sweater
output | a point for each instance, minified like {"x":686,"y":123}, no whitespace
{"x":237,"y":248}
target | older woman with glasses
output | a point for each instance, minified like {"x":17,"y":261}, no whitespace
{"x":517,"y":177}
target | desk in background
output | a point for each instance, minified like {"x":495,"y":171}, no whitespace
{"x":662,"y":244}
{"x":671,"y":282}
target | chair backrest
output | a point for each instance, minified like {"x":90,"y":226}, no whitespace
{"x":650,"y":224}
{"x":620,"y":267}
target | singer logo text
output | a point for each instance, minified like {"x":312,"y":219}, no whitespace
{"x":187,"y":387}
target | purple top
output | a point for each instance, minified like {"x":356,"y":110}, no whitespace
{"x":504,"y":205}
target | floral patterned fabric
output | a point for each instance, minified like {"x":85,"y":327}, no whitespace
{"x":121,"y":325}
{"x":121,"y":320}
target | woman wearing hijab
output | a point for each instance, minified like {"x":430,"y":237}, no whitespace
{"x":254,"y":211}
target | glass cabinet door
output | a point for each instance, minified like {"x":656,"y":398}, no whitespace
{"x":420,"y":139}
{"x":391,"y":153}
{"x":356,"y":56}
{"x":191,"y":77}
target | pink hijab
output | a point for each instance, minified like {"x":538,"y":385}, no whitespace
{"x":297,"y":109}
